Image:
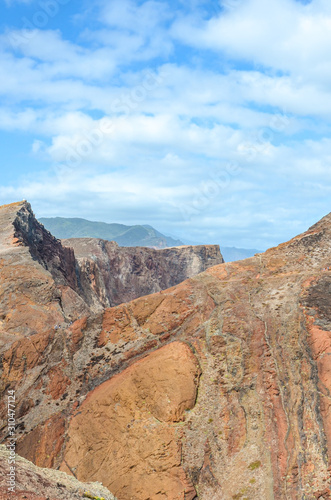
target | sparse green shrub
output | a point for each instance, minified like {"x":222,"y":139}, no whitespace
{"x":255,"y":465}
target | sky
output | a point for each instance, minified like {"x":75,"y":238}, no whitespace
{"x":209,"y":120}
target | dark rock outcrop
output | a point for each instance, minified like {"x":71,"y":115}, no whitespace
{"x":109,"y":274}
{"x":38,"y":283}
{"x":47,"y":250}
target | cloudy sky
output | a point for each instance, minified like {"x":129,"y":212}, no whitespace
{"x":209,"y":120}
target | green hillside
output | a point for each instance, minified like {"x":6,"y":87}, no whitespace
{"x":125,"y":236}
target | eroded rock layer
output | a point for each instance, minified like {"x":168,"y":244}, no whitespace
{"x":217,"y":388}
{"x":110,"y":275}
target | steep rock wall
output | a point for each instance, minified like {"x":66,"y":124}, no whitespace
{"x":57,"y":259}
{"x":110,"y":275}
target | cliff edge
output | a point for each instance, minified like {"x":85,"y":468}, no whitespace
{"x":109,"y":274}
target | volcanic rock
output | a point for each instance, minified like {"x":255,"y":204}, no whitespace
{"x":110,"y":275}
{"x":217,"y":388}
{"x":131,"y":420}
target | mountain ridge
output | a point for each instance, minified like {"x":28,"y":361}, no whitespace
{"x":136,"y":235}
{"x":132,"y":236}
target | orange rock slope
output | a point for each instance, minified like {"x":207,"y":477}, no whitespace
{"x":217,"y":388}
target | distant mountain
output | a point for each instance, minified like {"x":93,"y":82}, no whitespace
{"x":129,"y":236}
{"x":125,"y":236}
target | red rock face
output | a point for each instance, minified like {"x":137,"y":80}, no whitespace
{"x":218,"y":387}
{"x":133,"y":419}
{"x":44,"y":443}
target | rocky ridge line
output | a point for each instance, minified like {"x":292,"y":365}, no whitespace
{"x":220,"y":385}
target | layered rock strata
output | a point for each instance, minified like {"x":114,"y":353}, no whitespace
{"x":217,"y":388}
{"x":110,"y":275}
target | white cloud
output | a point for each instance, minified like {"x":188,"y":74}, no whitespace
{"x":179,"y":118}
{"x":281,"y":34}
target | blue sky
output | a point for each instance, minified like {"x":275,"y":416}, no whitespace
{"x":208,"y":120}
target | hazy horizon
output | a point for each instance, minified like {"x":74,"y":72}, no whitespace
{"x":173,"y":236}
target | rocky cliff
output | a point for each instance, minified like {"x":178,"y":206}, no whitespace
{"x":38,"y":283}
{"x":45,"y":284}
{"x":217,"y":388}
{"x":109,"y":274}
